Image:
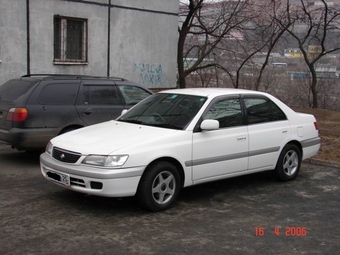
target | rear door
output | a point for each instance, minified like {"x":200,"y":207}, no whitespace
{"x":52,"y":105}
{"x":98,"y":101}
{"x":268,"y":129}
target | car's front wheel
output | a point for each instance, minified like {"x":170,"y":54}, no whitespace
{"x":159,"y":187}
{"x":288,"y":164}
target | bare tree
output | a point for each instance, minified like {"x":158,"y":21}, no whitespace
{"x":188,"y":14}
{"x":208,"y":27}
{"x":257,"y":33}
{"x":272,"y":30}
{"x":317,"y":23}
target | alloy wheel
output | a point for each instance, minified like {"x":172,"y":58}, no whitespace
{"x":163,"y":187}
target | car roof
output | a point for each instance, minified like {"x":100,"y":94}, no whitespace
{"x":65,"y":77}
{"x":212,"y":92}
{"x":68,"y":77}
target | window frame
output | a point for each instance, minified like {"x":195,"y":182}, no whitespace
{"x":62,"y":42}
{"x":46,"y":86}
{"x":124,"y":95}
{"x":197,"y":127}
{"x":87,"y":88}
{"x":268,"y":101}
{"x":226,"y":116}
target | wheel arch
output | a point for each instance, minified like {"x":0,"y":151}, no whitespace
{"x":298,"y":144}
{"x":286,"y":169}
{"x":171,"y":160}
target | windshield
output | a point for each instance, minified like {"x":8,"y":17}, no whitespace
{"x":173,"y":111}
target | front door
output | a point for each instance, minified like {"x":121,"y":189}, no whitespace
{"x":222,"y":152}
{"x":98,"y":101}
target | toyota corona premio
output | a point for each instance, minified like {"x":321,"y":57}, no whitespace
{"x":178,"y":138}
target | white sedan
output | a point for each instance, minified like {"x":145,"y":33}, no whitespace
{"x":178,"y":138}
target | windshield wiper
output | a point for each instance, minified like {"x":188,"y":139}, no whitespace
{"x":165,"y":125}
{"x":133,"y":121}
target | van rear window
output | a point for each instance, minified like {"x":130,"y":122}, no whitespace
{"x":12,"y":90}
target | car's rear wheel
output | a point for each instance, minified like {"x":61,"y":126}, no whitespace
{"x":288,"y":164}
{"x":159,"y":187}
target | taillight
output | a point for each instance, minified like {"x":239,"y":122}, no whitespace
{"x":316,"y":125}
{"x":17,"y":114}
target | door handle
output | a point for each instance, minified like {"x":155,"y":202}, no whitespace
{"x":241,"y":138}
{"x":87,"y":111}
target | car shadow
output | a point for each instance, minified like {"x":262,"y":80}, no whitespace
{"x":21,"y":158}
{"x":198,"y":195}
{"x":95,"y":205}
{"x":227,"y":187}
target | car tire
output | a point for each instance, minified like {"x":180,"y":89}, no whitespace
{"x":288,"y":164}
{"x":159,"y":187}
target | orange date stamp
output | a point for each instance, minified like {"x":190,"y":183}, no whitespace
{"x":287,"y":231}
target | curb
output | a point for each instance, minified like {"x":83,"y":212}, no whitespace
{"x":321,"y":162}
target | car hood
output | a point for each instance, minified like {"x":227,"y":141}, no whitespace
{"x":108,"y":137}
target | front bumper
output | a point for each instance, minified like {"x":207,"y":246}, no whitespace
{"x":122,"y":182}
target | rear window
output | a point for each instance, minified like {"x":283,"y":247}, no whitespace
{"x":12,"y":90}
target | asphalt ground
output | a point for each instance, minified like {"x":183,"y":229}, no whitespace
{"x":233,"y":216}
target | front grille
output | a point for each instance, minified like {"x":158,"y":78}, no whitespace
{"x":65,"y":156}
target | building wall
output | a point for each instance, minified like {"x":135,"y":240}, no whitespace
{"x":12,"y":39}
{"x":143,"y":39}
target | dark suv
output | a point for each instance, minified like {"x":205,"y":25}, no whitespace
{"x":36,"y":108}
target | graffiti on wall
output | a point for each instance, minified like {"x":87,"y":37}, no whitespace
{"x":149,"y":74}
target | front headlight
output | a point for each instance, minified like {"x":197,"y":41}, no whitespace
{"x":107,"y":161}
{"x":49,"y":148}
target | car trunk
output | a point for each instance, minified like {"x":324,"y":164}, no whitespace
{"x":13,"y":94}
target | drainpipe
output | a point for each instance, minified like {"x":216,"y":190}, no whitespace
{"x":108,"y":38}
{"x":28,"y":36}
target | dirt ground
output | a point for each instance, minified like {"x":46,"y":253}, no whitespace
{"x":329,"y":128}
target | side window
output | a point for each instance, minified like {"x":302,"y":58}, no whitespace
{"x":227,"y":111}
{"x":132,"y":94}
{"x":58,"y":94}
{"x":260,"y":110}
{"x":278,"y":114}
{"x":100,"y":95}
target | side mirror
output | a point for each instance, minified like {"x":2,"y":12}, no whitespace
{"x":210,"y":125}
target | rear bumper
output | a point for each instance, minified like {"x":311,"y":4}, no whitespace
{"x":30,"y":138}
{"x":310,"y":147}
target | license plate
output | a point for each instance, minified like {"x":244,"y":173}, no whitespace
{"x":58,"y":177}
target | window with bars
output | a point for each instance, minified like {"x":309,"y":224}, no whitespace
{"x":70,"y":40}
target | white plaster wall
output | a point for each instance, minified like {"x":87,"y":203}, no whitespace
{"x":12,"y":39}
{"x":143,"y":44}
{"x":144,"y":49}
{"x":42,"y":15}
{"x":158,"y":5}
